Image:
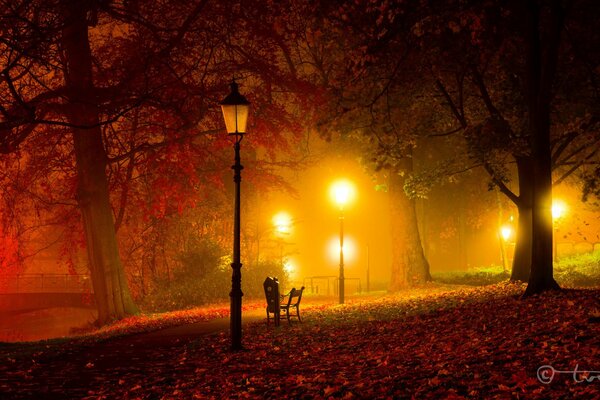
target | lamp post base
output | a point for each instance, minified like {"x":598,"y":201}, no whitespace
{"x":236,"y":307}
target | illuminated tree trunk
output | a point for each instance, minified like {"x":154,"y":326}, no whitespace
{"x":409,"y":265}
{"x":522,"y":259}
{"x":110,"y":286}
{"x":542,"y":37}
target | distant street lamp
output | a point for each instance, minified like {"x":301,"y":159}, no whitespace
{"x":505,"y":234}
{"x":559,"y":208}
{"x":235,"y":113}
{"x":342,"y":192}
{"x":282,"y":223}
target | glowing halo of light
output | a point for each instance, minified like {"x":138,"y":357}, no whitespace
{"x":289,"y":267}
{"x":333,"y":249}
{"x":559,"y":208}
{"x":282,"y":222}
{"x":506,"y":232}
{"x":342,"y":192}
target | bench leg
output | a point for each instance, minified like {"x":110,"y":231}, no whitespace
{"x":277,"y":318}
{"x":298,"y":314}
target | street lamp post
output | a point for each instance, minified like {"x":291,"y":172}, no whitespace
{"x":235,"y":113}
{"x":505,"y":233}
{"x":342,"y":278}
{"x":342,"y":192}
{"x":368,"y":270}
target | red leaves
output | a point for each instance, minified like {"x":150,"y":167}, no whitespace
{"x":434,"y":343}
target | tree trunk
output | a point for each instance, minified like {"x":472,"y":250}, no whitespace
{"x":522,"y":260}
{"x":110,"y":286}
{"x":409,"y":265}
{"x":542,"y":53}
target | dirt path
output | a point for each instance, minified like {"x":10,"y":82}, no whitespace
{"x":178,"y":335}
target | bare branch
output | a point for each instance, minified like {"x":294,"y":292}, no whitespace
{"x":501,"y":185}
{"x":457,"y":114}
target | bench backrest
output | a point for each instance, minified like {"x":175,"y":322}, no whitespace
{"x":295,"y":294}
{"x":271,"y":286}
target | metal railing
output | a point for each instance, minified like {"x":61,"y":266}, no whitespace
{"x":329,"y":284}
{"x":45,"y":283}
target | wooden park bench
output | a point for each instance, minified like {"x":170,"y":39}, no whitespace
{"x":275,"y":301}
{"x":294,"y":297}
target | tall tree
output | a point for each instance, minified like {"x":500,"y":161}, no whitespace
{"x":111,"y":290}
{"x":409,"y":265}
{"x":543,"y":24}
{"x":366,"y":104}
{"x":526,"y":134}
{"x":470,"y":58}
{"x":138,"y":93}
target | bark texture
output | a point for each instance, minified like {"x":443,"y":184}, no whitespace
{"x":522,"y":258}
{"x":544,"y":22}
{"x":111,"y":290}
{"x":409,"y":265}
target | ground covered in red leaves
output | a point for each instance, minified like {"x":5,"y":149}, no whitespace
{"x":461,"y":343}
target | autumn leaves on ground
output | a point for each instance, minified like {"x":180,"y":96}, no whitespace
{"x":432,"y":342}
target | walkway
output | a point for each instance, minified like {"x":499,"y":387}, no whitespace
{"x":177,"y":335}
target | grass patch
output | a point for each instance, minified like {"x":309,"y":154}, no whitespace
{"x":581,"y":270}
{"x":479,"y":276}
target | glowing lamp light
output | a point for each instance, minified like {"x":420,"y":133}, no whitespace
{"x":559,"y":208}
{"x":333,"y":249}
{"x":282,"y":222}
{"x":506,"y":232}
{"x":235,"y":111}
{"x":342,"y":192}
{"x":289,"y":268}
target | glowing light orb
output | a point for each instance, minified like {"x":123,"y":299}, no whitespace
{"x":282,"y":221}
{"x":342,"y":192}
{"x":289,"y":267}
{"x":559,"y":208}
{"x":506,"y":232}
{"x":333,"y":249}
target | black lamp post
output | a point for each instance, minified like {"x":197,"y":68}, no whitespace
{"x":341,"y":255}
{"x":235,"y":112}
{"x":342,"y":192}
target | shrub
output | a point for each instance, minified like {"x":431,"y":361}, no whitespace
{"x":477,"y":277}
{"x":203,"y":276}
{"x":582,"y":270}
{"x":254,"y":276}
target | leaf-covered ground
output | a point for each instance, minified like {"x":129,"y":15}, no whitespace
{"x":432,"y":343}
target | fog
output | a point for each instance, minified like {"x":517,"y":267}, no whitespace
{"x":43,"y":324}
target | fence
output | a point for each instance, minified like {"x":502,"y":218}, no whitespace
{"x":45,"y":283}
{"x":328,"y":285}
